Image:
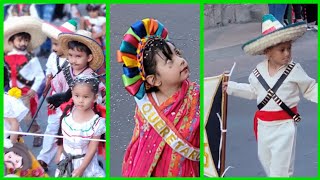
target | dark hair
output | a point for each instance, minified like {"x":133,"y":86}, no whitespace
{"x":66,"y":113}
{"x":79,"y":47}
{"x":23,"y":35}
{"x":153,"y":47}
{"x":93,"y":7}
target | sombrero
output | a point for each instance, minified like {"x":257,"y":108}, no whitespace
{"x":21,"y":150}
{"x":130,"y":53}
{"x":53,"y":31}
{"x":84,"y":37}
{"x":273,"y":33}
{"x":28,"y":24}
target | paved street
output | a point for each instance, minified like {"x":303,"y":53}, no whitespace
{"x":182,"y":22}
{"x":222,"y":49}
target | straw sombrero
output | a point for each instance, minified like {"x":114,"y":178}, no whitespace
{"x":21,"y":150}
{"x":85,"y":37}
{"x":53,"y":31}
{"x":273,"y":33}
{"x":130,"y":53}
{"x":28,"y":24}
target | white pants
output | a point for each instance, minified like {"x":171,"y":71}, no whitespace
{"x":49,"y":148}
{"x":276,"y":147}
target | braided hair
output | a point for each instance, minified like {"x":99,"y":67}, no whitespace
{"x":154,"y":46}
{"x":81,"y":79}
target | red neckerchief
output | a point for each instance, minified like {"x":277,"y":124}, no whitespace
{"x":14,"y":61}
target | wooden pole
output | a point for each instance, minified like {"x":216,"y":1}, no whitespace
{"x":224,"y":108}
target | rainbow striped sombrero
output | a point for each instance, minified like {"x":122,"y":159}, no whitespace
{"x":131,"y":53}
{"x":273,"y":33}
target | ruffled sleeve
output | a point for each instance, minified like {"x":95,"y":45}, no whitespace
{"x":14,"y":108}
{"x":100,"y":127}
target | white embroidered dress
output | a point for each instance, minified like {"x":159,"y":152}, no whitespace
{"x":94,"y":127}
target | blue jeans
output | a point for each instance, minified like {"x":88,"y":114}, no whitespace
{"x":278,"y":11}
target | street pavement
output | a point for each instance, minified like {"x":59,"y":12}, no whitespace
{"x":182,"y":22}
{"x":222,"y":49}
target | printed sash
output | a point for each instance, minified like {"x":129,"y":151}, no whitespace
{"x":166,"y":129}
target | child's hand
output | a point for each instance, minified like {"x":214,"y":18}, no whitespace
{"x":77,"y":172}
{"x":224,"y":86}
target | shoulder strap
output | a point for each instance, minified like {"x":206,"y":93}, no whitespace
{"x":272,"y":94}
{"x":276,"y":86}
{"x":67,"y":75}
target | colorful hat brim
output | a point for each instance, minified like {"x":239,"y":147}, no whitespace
{"x":130,"y":52}
{"x":28,"y":24}
{"x":291,"y":32}
{"x":95,"y":48}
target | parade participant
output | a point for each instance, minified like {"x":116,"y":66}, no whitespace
{"x":21,"y":36}
{"x":84,"y":55}
{"x":166,"y":136}
{"x":14,"y":112}
{"x":55,"y":63}
{"x":81,"y":118}
{"x":276,"y":83}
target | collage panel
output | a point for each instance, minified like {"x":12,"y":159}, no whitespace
{"x":154,"y":94}
{"x":261,"y":76}
{"x":54,"y":90}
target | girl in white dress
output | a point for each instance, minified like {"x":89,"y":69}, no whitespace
{"x":80,"y":118}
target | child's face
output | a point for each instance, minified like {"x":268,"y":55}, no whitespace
{"x":20,"y":43}
{"x":172,"y":71}
{"x":83,"y":97}
{"x":280,"y":54}
{"x":93,"y":13}
{"x":56,"y":47}
{"x":78,"y":59}
{"x":12,"y":160}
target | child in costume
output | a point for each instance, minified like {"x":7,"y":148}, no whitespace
{"x":276,"y":83}
{"x":14,"y":112}
{"x":81,"y":118}
{"x":56,"y":62}
{"x":21,"y":36}
{"x":84,"y":55}
{"x":166,"y":136}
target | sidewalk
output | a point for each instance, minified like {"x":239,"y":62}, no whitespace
{"x":230,"y":35}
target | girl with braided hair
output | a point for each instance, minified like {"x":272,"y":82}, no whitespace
{"x":166,"y":136}
{"x":81,"y":117}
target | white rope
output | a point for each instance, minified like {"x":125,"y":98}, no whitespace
{"x":226,"y":171}
{"x":50,"y":135}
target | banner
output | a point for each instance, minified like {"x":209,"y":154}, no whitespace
{"x":213,"y":103}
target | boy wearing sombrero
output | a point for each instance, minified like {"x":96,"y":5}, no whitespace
{"x":276,"y":83}
{"x":21,"y":36}
{"x":56,"y":62}
{"x":84,"y":55}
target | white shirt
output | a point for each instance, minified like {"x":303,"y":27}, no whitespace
{"x":297,"y":81}
{"x":32,"y":70}
{"x":52,"y":64}
{"x":97,"y":22}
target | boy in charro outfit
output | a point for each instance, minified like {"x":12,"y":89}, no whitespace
{"x":56,"y":62}
{"x":21,"y":36}
{"x":276,"y":83}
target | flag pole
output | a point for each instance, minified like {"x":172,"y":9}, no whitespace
{"x":224,"y":108}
